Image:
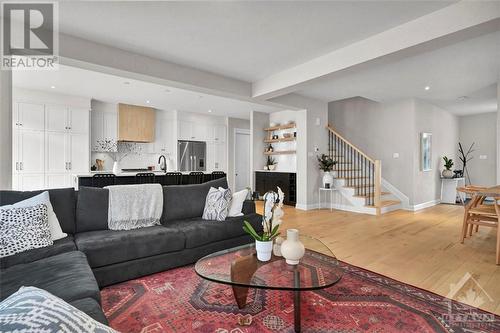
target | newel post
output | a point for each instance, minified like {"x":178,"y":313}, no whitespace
{"x":378,"y":185}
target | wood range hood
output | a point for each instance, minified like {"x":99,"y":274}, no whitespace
{"x":136,"y":123}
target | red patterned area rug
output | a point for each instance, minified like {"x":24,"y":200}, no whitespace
{"x":179,"y":301}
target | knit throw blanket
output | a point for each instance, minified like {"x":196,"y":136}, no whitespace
{"x":134,"y":206}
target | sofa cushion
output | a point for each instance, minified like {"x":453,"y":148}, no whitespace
{"x":92,"y":209}
{"x":33,"y":309}
{"x":187,"y":201}
{"x":60,"y":246}
{"x":92,"y":308}
{"x":65,"y":275}
{"x":200,"y":232}
{"x":62,"y":199}
{"x":107,"y":247}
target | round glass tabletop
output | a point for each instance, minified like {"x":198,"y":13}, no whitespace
{"x":239,"y":267}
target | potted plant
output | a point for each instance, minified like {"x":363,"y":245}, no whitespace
{"x":448,"y":164}
{"x":326,"y":164}
{"x":264,"y":241}
{"x":270,"y":163}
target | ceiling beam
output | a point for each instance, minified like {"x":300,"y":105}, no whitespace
{"x":447,"y":22}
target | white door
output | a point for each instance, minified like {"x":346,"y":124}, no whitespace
{"x":78,"y":120}
{"x":57,"y":118}
{"x":78,"y":153}
{"x":241,"y":160}
{"x":31,"y":116}
{"x":56,"y":152}
{"x":31,"y":151}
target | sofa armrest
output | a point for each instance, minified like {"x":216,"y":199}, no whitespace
{"x":248,"y":207}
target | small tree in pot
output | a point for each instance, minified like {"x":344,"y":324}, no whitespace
{"x":326,"y":164}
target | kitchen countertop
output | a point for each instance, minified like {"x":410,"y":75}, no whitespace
{"x":275,"y":171}
{"x":129,"y":174}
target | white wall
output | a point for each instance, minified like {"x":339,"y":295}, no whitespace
{"x":482,"y":130}
{"x":5,"y":129}
{"x":232,"y":124}
{"x":285,"y":163}
{"x":258,"y":121}
{"x":498,"y":130}
{"x":381,"y":130}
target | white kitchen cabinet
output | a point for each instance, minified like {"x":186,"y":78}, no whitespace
{"x":56,"y":152}
{"x":30,"y":182}
{"x":61,"y":118}
{"x":217,"y":133}
{"x":57,"y":180}
{"x":29,"y":116}
{"x":104,"y":126}
{"x":216,"y":157}
{"x":78,"y":120}
{"x":30,"y":151}
{"x":165,"y":142}
{"x":193,"y":131}
{"x":78,"y":153}
{"x":186,"y":130}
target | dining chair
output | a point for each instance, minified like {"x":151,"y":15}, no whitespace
{"x":218,"y":174}
{"x":469,"y":190}
{"x":196,"y":177}
{"x":144,"y":178}
{"x":103,"y":179}
{"x":174,"y":178}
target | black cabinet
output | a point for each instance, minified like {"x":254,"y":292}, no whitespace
{"x":269,"y":181}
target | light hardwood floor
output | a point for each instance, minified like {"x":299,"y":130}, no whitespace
{"x":420,"y":248}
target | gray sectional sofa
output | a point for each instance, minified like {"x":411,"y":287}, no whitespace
{"x":91,"y":257}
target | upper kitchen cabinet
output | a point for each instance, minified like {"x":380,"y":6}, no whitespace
{"x":193,"y":131}
{"x":104,"y":124}
{"x":136,"y":123}
{"x":67,"y":119}
{"x":29,"y":116}
{"x":218,"y":133}
{"x":165,"y":134}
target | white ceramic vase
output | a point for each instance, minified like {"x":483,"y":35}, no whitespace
{"x":292,"y":249}
{"x":116,"y":168}
{"x":277,"y":246}
{"x":327,"y":179}
{"x":264,"y":250}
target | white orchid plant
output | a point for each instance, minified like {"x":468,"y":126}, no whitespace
{"x":271,"y":219}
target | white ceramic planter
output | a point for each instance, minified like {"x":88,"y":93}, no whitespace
{"x":292,"y":249}
{"x":264,"y":250}
{"x":447,"y":174}
{"x":327,"y":179}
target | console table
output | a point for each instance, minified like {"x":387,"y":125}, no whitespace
{"x":449,"y":193}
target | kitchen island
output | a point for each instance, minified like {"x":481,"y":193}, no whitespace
{"x":127,"y":178}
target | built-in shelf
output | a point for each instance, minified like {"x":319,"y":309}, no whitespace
{"x":283,"y":152}
{"x":281,"y":127}
{"x":279,"y":140}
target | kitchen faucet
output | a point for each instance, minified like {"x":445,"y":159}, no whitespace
{"x":164,"y":166}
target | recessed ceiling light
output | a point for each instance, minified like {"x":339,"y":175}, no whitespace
{"x":427,"y":88}
{"x":167,"y":90}
{"x":126,"y":82}
{"x":147,"y":102}
{"x":463,"y":98}
{"x":52,"y":87}
{"x":209,"y":111}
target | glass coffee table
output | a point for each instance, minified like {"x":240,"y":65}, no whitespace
{"x":240,"y":268}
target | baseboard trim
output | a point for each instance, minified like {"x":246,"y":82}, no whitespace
{"x":306,"y":206}
{"x":424,"y":205}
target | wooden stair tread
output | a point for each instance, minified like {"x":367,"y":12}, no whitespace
{"x":386,"y":203}
{"x":355,"y":177}
{"x":360,"y":186}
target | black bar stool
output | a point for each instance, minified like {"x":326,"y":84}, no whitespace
{"x":144,"y":178}
{"x":103,"y":179}
{"x":218,"y":174}
{"x":174,"y":178}
{"x":195,"y":177}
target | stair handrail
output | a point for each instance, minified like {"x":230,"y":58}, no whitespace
{"x":377,"y":186}
{"x":330,"y":128}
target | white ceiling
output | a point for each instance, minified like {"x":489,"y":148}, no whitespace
{"x":468,"y":68}
{"x":110,"y":88}
{"x":247,"y":40}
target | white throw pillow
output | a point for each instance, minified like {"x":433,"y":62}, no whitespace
{"x":217,"y":204}
{"x":236,"y":205}
{"x":43,"y":198}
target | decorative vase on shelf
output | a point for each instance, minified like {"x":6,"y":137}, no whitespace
{"x":116,"y":168}
{"x":327,"y":178}
{"x":271,"y":167}
{"x":264,"y":250}
{"x":447,"y":174}
{"x":292,"y":249}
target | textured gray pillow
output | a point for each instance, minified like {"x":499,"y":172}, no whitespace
{"x":217,"y":204}
{"x":35,"y":310}
{"x":23,"y":229}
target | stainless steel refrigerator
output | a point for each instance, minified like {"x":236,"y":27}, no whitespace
{"x":192,"y":155}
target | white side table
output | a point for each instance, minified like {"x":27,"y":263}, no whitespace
{"x":327,"y":190}
{"x":449,"y":192}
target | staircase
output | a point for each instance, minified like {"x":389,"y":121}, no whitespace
{"x":359,"y":178}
